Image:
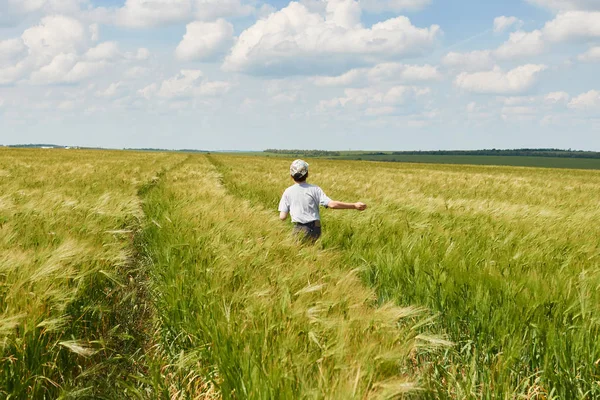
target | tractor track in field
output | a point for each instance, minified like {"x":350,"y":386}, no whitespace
{"x":133,"y":313}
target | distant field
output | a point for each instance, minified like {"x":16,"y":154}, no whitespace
{"x":167,"y":275}
{"x":516,"y":161}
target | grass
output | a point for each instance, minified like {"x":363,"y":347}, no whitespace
{"x":242,"y":309}
{"x":137,"y":275}
{"x":505,"y":256}
{"x":69,"y":316}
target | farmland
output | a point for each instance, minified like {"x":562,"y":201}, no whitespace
{"x":514,"y":158}
{"x":166,"y":275}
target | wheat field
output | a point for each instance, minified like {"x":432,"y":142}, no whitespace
{"x":166,"y":275}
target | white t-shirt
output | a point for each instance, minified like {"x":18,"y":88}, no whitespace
{"x":302,"y":202}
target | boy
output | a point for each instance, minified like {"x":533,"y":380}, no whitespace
{"x":302,"y":202}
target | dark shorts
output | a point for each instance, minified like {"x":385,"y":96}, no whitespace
{"x":311,"y":230}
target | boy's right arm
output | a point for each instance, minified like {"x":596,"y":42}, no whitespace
{"x":338,"y":205}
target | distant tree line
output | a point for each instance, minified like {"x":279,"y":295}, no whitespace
{"x":486,"y":152}
{"x":167,"y":150}
{"x":516,"y":152}
{"x":307,"y":153}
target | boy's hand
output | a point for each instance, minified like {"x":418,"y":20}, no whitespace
{"x":360,"y":206}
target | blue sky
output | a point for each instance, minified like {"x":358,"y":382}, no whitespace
{"x":327,"y":74}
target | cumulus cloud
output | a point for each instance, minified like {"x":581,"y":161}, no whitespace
{"x":210,"y":10}
{"x":562,"y":5}
{"x":56,"y":34}
{"x":346,"y":79}
{"x":298,"y":41}
{"x":378,"y":6}
{"x":50,"y":51}
{"x":146,"y":13}
{"x":103,"y":51}
{"x":142,"y":54}
{"x":384,"y":72}
{"x":186,"y":84}
{"x":566,"y":26}
{"x":586,"y":101}
{"x":557,"y":98}
{"x":497,"y":81}
{"x":60,"y":49}
{"x":14,"y":11}
{"x":11,"y":50}
{"x":470,"y":61}
{"x":573,"y":25}
{"x":205,"y":40}
{"x":375,"y":101}
{"x":111,"y":91}
{"x":503,"y":23}
{"x":591,"y":55}
{"x":153,"y":13}
{"x":521,"y":44}
{"x":65,"y":68}
{"x":387,"y":72}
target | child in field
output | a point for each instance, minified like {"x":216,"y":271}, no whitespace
{"x":302,"y":201}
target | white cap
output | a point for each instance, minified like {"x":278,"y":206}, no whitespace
{"x":299,"y":169}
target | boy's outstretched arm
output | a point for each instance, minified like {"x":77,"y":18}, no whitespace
{"x":283,"y":215}
{"x":338,"y":205}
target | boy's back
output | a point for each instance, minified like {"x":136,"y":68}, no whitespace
{"x":302,"y":201}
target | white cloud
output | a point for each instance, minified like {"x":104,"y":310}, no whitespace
{"x":142,"y":54}
{"x":586,"y":101}
{"x":562,"y":5}
{"x":12,"y":74}
{"x":136,"y":72}
{"x":591,"y":55}
{"x":59,"y":49}
{"x":66,"y":105}
{"x":56,"y":34}
{"x":11,"y":50}
{"x":153,"y":13}
{"x":343,"y":13}
{"x":402,"y":72}
{"x":512,"y":101}
{"x":472,"y":107}
{"x":56,"y":70}
{"x":210,"y":10}
{"x":55,"y":47}
{"x":502,"y":23}
{"x":472,"y":61}
{"x":111,"y":91}
{"x":378,"y":6}
{"x":205,"y":40}
{"x":566,"y":26}
{"x":573,"y":25}
{"x":302,"y":42}
{"x":521,"y":44}
{"x":497,"y":81}
{"x":557,"y":98}
{"x":518,"y":110}
{"x":65,"y":68}
{"x":347,"y":79}
{"x":384,"y":72}
{"x":103,"y":51}
{"x":186,"y":84}
{"x":14,"y":11}
{"x":374,"y":101}
{"x":148,"y":13}
{"x":283,"y":91}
